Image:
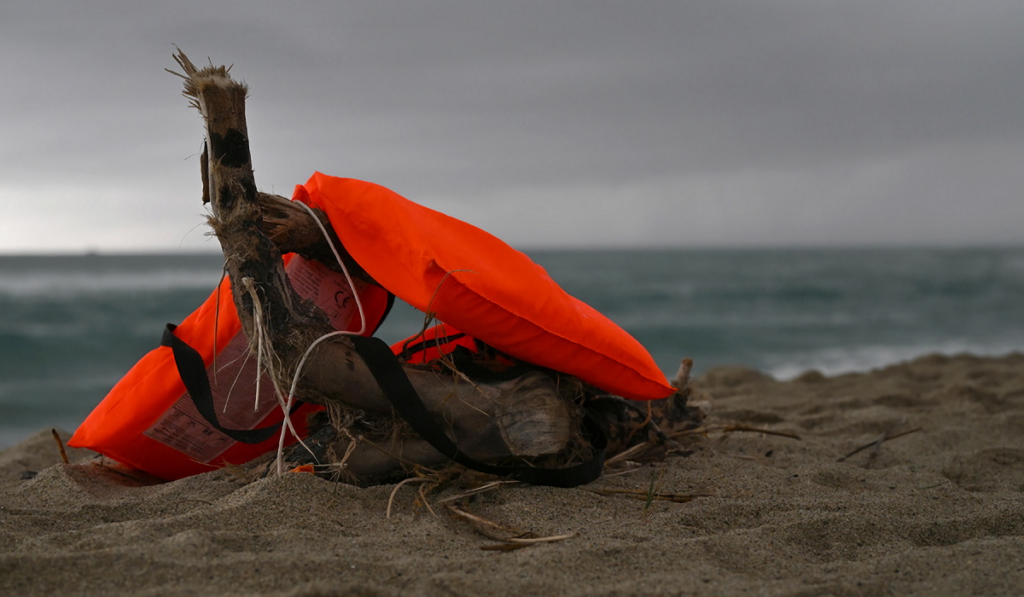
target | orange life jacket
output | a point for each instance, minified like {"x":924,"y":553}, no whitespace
{"x":475,"y":282}
{"x":466,"y":277}
{"x":150,"y":422}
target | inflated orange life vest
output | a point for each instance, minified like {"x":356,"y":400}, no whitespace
{"x":480,"y":285}
{"x":149,"y":421}
{"x":467,"y":277}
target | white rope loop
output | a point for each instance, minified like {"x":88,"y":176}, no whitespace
{"x":286,"y":404}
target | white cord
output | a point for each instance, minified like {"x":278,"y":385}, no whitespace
{"x":287,"y":405}
{"x":344,"y":270}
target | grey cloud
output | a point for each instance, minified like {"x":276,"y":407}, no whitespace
{"x":481,"y":106}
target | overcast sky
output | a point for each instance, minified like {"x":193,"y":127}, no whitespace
{"x":549,"y":123}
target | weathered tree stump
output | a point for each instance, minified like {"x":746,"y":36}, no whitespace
{"x":533,"y":419}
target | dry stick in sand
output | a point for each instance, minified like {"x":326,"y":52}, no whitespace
{"x":391,"y":498}
{"x":513,"y":538}
{"x":478,"y":490}
{"x":627,"y":454}
{"x":877,"y":444}
{"x":732,"y":428}
{"x":516,"y":539}
{"x":60,"y":444}
{"x":423,"y":498}
{"x":644,"y":494}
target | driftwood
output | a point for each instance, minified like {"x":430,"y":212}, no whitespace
{"x":533,"y":419}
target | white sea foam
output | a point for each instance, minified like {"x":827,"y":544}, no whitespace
{"x":80,"y":283}
{"x":837,"y":361}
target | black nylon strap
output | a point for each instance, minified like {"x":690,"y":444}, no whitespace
{"x":464,"y":359}
{"x":193,"y":372}
{"x":422,"y":345}
{"x":388,"y":372}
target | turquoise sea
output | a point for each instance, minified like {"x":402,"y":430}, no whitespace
{"x":71,"y":326}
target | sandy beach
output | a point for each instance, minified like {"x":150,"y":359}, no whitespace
{"x":934,"y":505}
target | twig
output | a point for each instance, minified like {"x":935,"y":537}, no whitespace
{"x":477,"y":490}
{"x":644,"y":494}
{"x":627,"y":454}
{"x":625,"y":471}
{"x":644,"y":423}
{"x":487,"y":528}
{"x":391,"y":498}
{"x":643,"y":411}
{"x":877,"y":444}
{"x":60,"y":444}
{"x":426,"y":502}
{"x":483,"y":521}
{"x":135,"y":475}
{"x":533,"y":540}
{"x":514,"y":543}
{"x":732,"y":428}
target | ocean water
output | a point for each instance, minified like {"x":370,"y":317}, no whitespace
{"x":71,"y":326}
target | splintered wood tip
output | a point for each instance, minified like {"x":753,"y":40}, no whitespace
{"x":197,"y":79}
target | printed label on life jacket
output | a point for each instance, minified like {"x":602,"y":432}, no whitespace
{"x":233,"y":374}
{"x":234,"y":397}
{"x":325,"y":287}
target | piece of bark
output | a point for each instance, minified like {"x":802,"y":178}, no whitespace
{"x":294,"y":230}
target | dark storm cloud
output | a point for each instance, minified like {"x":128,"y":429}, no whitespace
{"x":770,"y":122}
